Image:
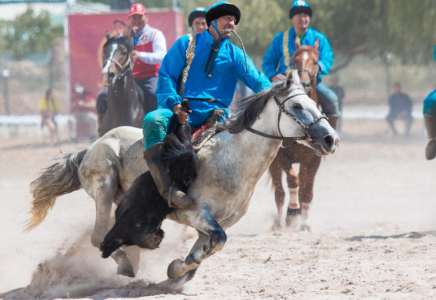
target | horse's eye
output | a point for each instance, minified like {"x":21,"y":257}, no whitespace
{"x":297,"y":106}
{"x":124,"y":53}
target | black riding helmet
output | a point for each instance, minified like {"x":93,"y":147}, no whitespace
{"x":199,"y":12}
{"x":222,"y":8}
{"x":298,"y":7}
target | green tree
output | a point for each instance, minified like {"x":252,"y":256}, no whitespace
{"x":29,"y":34}
{"x":369,"y":27}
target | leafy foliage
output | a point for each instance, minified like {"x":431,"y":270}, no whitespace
{"x":372,"y":27}
{"x":29,"y":34}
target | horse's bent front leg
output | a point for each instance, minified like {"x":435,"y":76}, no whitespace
{"x":307,"y":178}
{"x":211,"y":239}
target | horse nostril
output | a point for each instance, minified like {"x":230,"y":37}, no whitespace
{"x":329,"y":140}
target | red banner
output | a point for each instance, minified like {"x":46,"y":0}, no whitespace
{"x":87,"y":34}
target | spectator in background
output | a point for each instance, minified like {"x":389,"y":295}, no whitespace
{"x":48,"y":108}
{"x":83,"y":112}
{"x":339,"y":91}
{"x":400,"y":107}
{"x":197,"y":20}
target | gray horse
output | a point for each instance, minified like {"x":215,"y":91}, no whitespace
{"x":230,"y":164}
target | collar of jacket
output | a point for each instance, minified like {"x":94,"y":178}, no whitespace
{"x":292,"y":33}
{"x":210,"y":38}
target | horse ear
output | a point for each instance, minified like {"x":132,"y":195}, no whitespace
{"x":297,"y":42}
{"x":108,"y":35}
{"x":292,"y":78}
{"x":316,"y":45}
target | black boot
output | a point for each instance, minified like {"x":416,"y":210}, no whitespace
{"x":430,"y":124}
{"x":174,"y":196}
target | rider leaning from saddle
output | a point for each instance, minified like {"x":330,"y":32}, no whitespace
{"x":149,"y":49}
{"x":430,"y":121}
{"x":214,"y":66}
{"x":274,"y":61}
{"x":197,"y":20}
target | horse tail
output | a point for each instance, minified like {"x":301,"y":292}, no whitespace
{"x":59,"y":179}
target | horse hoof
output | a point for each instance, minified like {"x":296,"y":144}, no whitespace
{"x":277,"y":225}
{"x":293,"y":222}
{"x":179,"y":281}
{"x":175,"y":269}
{"x":306,"y":227}
{"x":126,"y":271}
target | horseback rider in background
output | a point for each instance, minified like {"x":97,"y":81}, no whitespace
{"x":197,"y":20}
{"x":283,"y":46}
{"x":430,"y":121}
{"x":214,"y":66}
{"x":149,"y":49}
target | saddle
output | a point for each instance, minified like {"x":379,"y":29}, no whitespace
{"x":205,"y":132}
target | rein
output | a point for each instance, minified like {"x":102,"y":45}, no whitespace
{"x":291,"y":140}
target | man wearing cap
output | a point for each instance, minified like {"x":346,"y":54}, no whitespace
{"x":274,"y":62}
{"x":149,"y":49}
{"x":197,"y":20}
{"x":203,"y":68}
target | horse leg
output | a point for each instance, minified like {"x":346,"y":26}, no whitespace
{"x":104,"y":189}
{"x":275,"y":171}
{"x":307,"y":179}
{"x":294,"y":209}
{"x":211,"y":239}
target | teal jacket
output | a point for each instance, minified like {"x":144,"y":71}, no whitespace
{"x":275,"y":57}
{"x":229,"y":66}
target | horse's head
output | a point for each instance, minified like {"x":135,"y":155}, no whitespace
{"x":305,"y":60}
{"x":299,"y":114}
{"x":116,"y":55}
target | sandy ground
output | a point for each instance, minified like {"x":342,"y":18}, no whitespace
{"x":372,"y":219}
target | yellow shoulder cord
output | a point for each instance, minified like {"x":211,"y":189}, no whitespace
{"x":286,"y":51}
{"x":189,"y":57}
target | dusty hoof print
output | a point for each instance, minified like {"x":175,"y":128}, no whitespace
{"x":126,"y":271}
{"x":172,"y":272}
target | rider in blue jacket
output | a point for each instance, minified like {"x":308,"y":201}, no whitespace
{"x":274,"y":61}
{"x":197,"y":20}
{"x":430,"y":121}
{"x":203,"y":68}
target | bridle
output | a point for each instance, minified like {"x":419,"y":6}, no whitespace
{"x":304,"y":128}
{"x":311,"y":76}
{"x":122,"y":69}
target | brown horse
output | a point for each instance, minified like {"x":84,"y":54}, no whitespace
{"x":126,"y":105}
{"x":305,"y":60}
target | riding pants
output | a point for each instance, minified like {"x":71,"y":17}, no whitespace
{"x":148,"y":86}
{"x":430,"y":104}
{"x":327,"y":99}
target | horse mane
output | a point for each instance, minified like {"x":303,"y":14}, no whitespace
{"x":247,"y":110}
{"x":119,"y":40}
{"x":303,"y":49}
